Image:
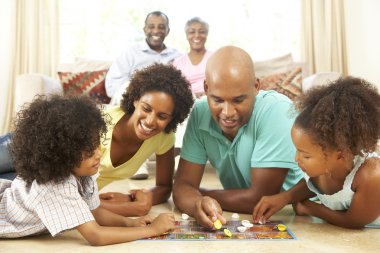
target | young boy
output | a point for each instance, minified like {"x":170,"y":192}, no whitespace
{"x":56,"y":157}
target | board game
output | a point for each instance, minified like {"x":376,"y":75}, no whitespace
{"x":190,"y":230}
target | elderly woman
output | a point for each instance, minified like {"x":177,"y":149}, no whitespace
{"x":193,"y":64}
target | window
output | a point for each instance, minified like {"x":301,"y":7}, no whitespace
{"x":101,"y":29}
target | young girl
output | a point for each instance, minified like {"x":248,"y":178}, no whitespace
{"x":335,"y":134}
{"x":56,"y":157}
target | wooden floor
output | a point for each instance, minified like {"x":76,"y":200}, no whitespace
{"x":312,"y":234}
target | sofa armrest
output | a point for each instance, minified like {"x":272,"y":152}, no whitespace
{"x":30,"y":85}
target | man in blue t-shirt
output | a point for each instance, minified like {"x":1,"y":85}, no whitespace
{"x":244,"y":133}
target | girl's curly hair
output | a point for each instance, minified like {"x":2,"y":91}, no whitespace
{"x":342,"y":115}
{"x":52,"y":136}
{"x":162,"y":78}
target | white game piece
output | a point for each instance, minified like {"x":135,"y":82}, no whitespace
{"x":235,"y":216}
{"x":185,"y":216}
{"x":246,"y":223}
{"x":249,"y":225}
{"x":241,"y":229}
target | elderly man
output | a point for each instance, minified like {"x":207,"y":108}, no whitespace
{"x":244,"y":133}
{"x":145,"y":53}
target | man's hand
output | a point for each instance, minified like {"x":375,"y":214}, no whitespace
{"x":208,"y":210}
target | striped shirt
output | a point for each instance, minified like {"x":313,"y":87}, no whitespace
{"x":41,"y":208}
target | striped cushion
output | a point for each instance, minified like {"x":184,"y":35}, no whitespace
{"x":89,"y":82}
{"x":288,"y":83}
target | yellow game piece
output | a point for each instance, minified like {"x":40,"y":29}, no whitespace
{"x":217,"y":224}
{"x":281,"y":227}
{"x":227,"y":232}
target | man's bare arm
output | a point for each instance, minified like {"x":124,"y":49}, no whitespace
{"x":186,"y":185}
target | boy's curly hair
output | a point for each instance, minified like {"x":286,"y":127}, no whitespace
{"x":52,"y":136}
{"x":163,"y":78}
{"x":342,"y":115}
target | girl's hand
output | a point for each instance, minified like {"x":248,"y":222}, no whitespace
{"x":266,"y":207}
{"x":302,"y":208}
{"x":139,"y":222}
{"x":163,"y":223}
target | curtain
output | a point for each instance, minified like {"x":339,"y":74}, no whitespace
{"x":323,"y":35}
{"x":33,"y":47}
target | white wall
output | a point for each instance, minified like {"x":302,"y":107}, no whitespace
{"x":363,"y":39}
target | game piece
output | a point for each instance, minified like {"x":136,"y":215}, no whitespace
{"x":217,"y":224}
{"x":227,"y":232}
{"x":241,"y":229}
{"x":281,"y":227}
{"x":246,"y":223}
{"x":185,"y":216}
{"x":235,"y":216}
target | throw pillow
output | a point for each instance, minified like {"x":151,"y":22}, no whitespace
{"x":88,"y":82}
{"x":288,"y":83}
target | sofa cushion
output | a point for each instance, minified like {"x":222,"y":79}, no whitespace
{"x":288,"y":83}
{"x":88,"y":82}
{"x":275,"y":65}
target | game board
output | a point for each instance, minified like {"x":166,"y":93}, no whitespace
{"x":190,"y":230}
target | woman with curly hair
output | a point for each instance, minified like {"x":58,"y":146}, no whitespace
{"x":157,"y":99}
{"x":56,"y":154}
{"x":336,"y":134}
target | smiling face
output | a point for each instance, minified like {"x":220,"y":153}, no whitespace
{"x":231,"y":103}
{"x":231,"y":89}
{"x":196,"y":36}
{"x":156,"y":29}
{"x":310,"y":156}
{"x":153,"y":112}
{"x":89,"y":165}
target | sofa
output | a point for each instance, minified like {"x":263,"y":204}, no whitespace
{"x":88,"y":76}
